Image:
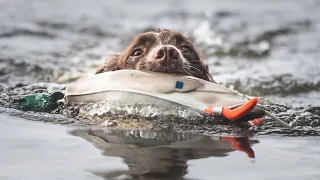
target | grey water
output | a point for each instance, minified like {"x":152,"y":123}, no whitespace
{"x":36,"y":150}
{"x":261,"y":48}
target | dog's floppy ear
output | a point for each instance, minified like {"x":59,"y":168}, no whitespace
{"x":110,"y":64}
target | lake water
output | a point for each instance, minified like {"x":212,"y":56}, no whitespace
{"x":259,"y":47}
{"x":37,"y":150}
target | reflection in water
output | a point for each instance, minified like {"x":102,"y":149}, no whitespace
{"x":160,"y":154}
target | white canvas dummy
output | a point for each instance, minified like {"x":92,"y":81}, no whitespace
{"x":132,"y":86}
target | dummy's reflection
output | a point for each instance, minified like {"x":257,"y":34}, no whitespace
{"x":160,"y":154}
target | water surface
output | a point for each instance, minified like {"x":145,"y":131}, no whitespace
{"x":261,"y":48}
{"x":37,"y":150}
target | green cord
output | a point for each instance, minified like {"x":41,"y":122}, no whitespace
{"x":41,"y":102}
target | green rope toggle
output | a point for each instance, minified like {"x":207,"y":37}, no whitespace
{"x":42,"y":102}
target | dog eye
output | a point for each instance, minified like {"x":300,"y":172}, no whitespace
{"x":136,"y":52}
{"x":186,"y":49}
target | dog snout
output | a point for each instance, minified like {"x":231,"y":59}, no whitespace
{"x":165,"y":53}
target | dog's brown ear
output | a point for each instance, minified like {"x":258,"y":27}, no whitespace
{"x":110,"y":64}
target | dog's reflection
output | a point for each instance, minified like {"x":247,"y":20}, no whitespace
{"x":160,"y":154}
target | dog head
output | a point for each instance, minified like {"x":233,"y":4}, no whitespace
{"x":160,"y":51}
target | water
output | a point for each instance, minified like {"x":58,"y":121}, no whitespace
{"x":36,"y":150}
{"x":261,"y":48}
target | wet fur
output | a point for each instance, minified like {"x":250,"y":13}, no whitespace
{"x":193,"y":66}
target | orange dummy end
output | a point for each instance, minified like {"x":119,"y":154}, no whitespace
{"x":234,"y":114}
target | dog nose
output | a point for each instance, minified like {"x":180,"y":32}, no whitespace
{"x":166,"y":52}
